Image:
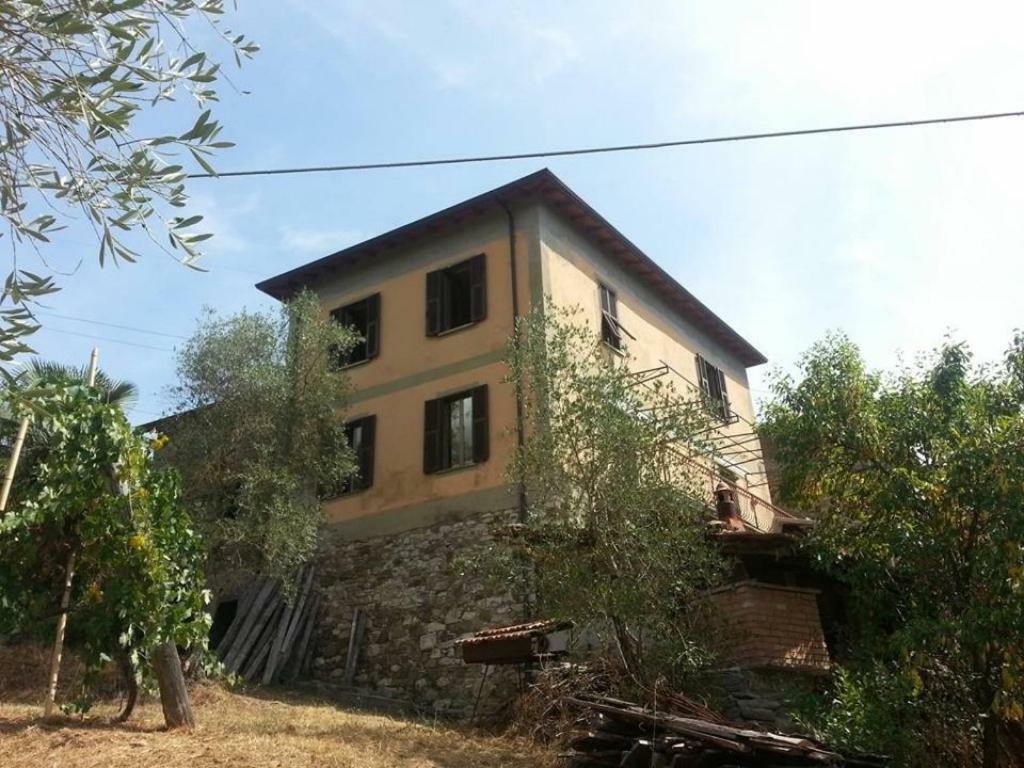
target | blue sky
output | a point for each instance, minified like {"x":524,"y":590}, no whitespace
{"x":895,"y":237}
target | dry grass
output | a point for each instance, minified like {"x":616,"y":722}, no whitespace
{"x":257,"y":730}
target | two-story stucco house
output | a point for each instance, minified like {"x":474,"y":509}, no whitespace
{"x":434,"y":424}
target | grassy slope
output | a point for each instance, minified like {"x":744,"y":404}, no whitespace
{"x":236,"y":729}
{"x":241,"y":730}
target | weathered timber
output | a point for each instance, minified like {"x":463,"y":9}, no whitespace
{"x":244,"y":605}
{"x":305,"y":654}
{"x":295,"y":624}
{"x":258,"y":616}
{"x":261,"y":648}
{"x":355,"y":640}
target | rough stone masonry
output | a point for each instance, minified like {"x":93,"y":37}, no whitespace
{"x":415,"y":607}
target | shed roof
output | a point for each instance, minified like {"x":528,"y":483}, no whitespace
{"x":546,"y":187}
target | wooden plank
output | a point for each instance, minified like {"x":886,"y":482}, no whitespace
{"x":255,"y":622}
{"x":287,"y":665}
{"x":248,"y":619}
{"x":287,"y":609}
{"x":261,"y":649}
{"x":305,"y":654}
{"x":355,"y":640}
{"x":244,"y":604}
{"x":298,"y":615}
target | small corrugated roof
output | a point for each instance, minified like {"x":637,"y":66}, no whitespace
{"x":542,"y":185}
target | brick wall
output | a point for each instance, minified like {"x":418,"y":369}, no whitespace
{"x":766,"y":625}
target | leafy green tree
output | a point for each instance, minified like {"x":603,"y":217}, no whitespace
{"x":916,"y":480}
{"x":615,"y":533}
{"x":77,"y":82}
{"x":93,"y":519}
{"x":260,"y":439}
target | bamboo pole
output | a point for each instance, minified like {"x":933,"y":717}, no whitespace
{"x":93,"y":361}
{"x":58,"y":641}
{"x":12,"y":465}
{"x":65,"y":599}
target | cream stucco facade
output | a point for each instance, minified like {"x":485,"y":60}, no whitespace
{"x":553,"y":257}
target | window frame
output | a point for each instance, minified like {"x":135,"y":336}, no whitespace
{"x":371,"y":339}
{"x":437,"y":434}
{"x":365,"y":454}
{"x":439,"y":295}
{"x":714,"y":390}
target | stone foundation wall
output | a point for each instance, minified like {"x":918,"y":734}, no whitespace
{"x":415,"y":607}
{"x":763,"y":698}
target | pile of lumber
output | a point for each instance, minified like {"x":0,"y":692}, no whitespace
{"x":618,"y":733}
{"x":268,"y":641}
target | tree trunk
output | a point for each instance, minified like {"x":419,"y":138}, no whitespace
{"x":173,"y":694}
{"x":990,"y":748}
{"x":131,"y":687}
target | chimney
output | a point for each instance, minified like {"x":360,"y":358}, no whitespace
{"x":728,"y":512}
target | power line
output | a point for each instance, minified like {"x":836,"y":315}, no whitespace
{"x":608,"y":149}
{"x":110,"y":325}
{"x":105,"y":338}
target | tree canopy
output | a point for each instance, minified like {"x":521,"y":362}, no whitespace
{"x":89,"y":508}
{"x":615,"y":533}
{"x":916,"y":480}
{"x":77,"y":80}
{"x":259,"y":439}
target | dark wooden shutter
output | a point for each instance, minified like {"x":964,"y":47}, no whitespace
{"x":434,"y":282}
{"x":478,"y":288}
{"x":432,"y":436}
{"x":481,"y":441}
{"x":373,"y":325}
{"x":726,"y":410}
{"x":367,"y":452}
{"x":702,"y":376}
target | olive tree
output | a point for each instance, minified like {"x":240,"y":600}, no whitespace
{"x":916,"y":480}
{"x":259,"y":438}
{"x":617,"y":504}
{"x":81,"y":85}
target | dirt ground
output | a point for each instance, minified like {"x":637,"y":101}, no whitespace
{"x":258,"y":729}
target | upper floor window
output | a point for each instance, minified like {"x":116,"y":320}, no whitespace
{"x":361,"y":436}
{"x":456,"y":295}
{"x":364,"y":318}
{"x":455,"y":430}
{"x":713,"y":389}
{"x":611,"y":328}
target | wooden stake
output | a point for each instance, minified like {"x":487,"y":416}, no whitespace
{"x":12,"y":465}
{"x":58,"y":641}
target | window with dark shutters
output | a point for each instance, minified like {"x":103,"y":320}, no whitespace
{"x":455,"y":430}
{"x":457,"y":295}
{"x":713,"y":389}
{"x":611,"y":329}
{"x":363,"y":317}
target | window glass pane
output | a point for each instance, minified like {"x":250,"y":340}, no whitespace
{"x":457,"y":296}
{"x":460,"y":424}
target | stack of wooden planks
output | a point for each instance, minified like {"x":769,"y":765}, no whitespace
{"x":618,"y":733}
{"x":268,"y":640}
